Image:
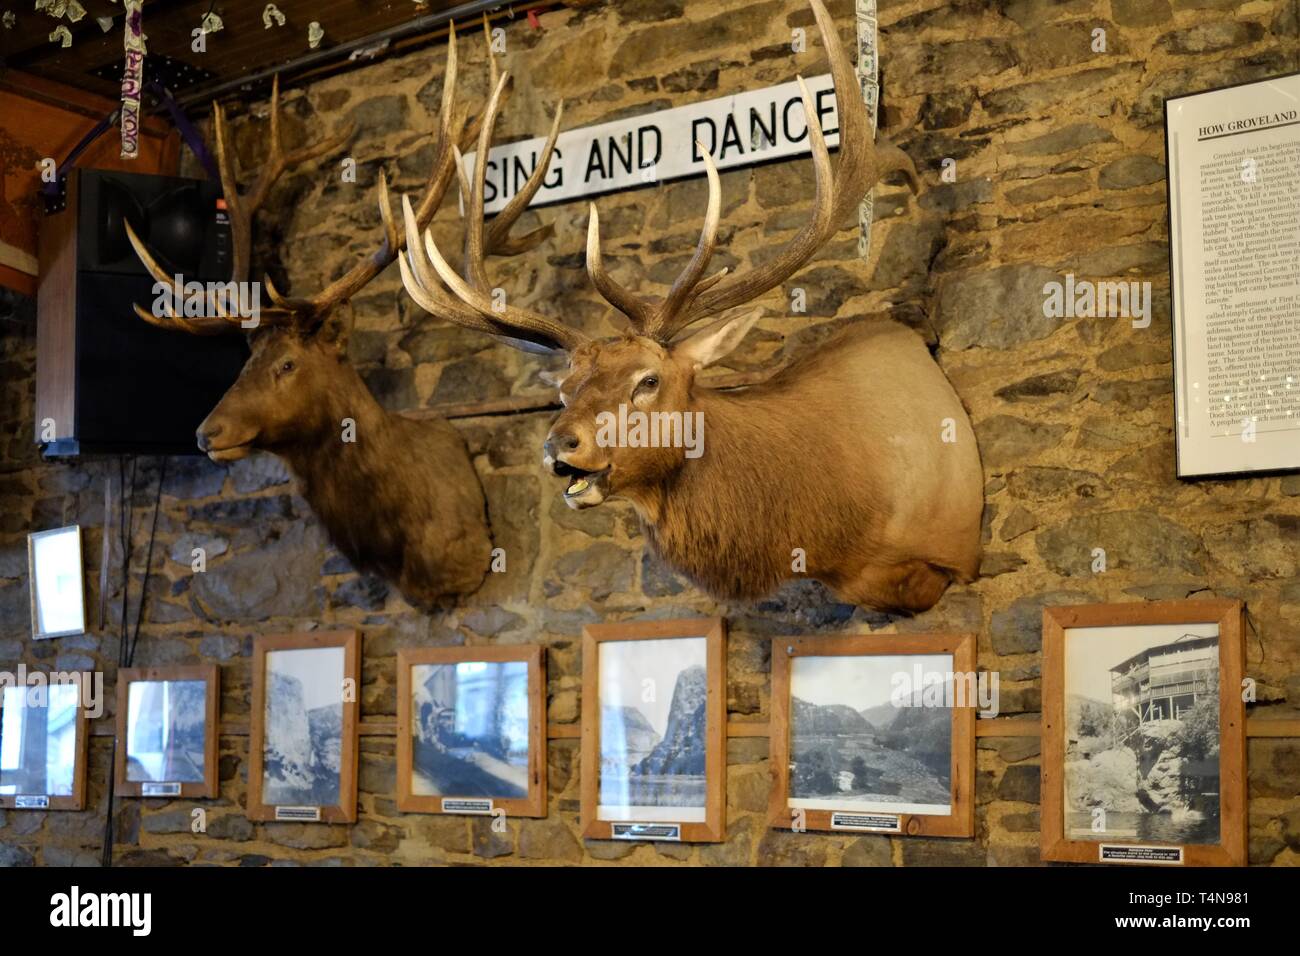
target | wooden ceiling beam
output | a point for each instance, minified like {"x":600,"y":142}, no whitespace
{"x":244,"y":52}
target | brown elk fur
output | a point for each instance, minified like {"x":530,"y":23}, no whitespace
{"x":840,"y":454}
{"x":402,"y":500}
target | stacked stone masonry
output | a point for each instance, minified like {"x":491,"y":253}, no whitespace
{"x":1059,"y":153}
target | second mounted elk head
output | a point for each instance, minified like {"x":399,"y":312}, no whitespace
{"x":858,"y":458}
{"x":398,"y":496}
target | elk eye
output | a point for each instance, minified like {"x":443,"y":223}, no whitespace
{"x":649,"y":383}
{"x":286,"y":366}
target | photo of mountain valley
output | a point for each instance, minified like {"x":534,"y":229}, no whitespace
{"x":1142,"y":733}
{"x":470,"y":729}
{"x":854,"y":749}
{"x":303,"y":750}
{"x":653,"y":718}
{"x":166,"y":731}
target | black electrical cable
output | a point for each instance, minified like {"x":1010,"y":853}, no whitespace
{"x":148,"y":562}
{"x":1250,"y":622}
{"x":124,"y":540}
{"x":125,"y":650}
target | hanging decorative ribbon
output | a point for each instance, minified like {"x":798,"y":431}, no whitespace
{"x":869,"y":80}
{"x":132,"y":78}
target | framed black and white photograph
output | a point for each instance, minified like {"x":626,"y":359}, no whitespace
{"x":1144,"y":734}
{"x":167,"y":731}
{"x":1234,"y":201}
{"x":43,"y":742}
{"x":471,"y":730}
{"x":874,"y":733}
{"x":304,"y":731}
{"x":58,"y":589}
{"x":654,"y":731}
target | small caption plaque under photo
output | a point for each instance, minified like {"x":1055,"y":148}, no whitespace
{"x":32,"y":803}
{"x":460,"y":805}
{"x":300,"y":814}
{"x":646,"y":831}
{"x":877,"y":822}
{"x":1119,"y":853}
{"x":160,"y":789}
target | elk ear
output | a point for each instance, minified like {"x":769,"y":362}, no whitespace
{"x":337,"y":328}
{"x":714,"y":341}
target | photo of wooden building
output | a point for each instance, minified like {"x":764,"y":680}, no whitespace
{"x":1161,"y":683}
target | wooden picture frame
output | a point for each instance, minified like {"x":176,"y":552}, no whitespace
{"x":34,"y":541}
{"x":1148,"y":690}
{"x":263,"y":806}
{"x":533,"y":804}
{"x":210,"y":676}
{"x":76,"y":800}
{"x":710,"y":829}
{"x":960,"y":822}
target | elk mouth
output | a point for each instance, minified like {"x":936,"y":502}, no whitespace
{"x":232,"y":453}
{"x":586,"y":488}
{"x":222,"y":442}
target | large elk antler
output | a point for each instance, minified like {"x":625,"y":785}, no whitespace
{"x":693,"y":296}
{"x":522,"y":327}
{"x":307,"y":313}
{"x":240,"y":208}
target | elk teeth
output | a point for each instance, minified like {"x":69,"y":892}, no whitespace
{"x":578,"y":487}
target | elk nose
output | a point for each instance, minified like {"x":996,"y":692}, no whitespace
{"x":205,"y":434}
{"x":557,"y":443}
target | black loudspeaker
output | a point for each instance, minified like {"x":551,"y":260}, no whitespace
{"x":107,"y":382}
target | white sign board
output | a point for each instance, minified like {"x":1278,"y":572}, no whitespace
{"x":740,"y":130}
{"x":1234,"y":213}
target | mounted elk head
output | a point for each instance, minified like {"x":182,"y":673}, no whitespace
{"x":399,"y":497}
{"x":836,"y":467}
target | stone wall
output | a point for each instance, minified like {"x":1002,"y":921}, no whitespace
{"x":1058,"y":151}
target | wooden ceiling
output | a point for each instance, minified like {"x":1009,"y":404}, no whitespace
{"x":243,"y":49}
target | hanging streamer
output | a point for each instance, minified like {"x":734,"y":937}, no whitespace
{"x":869,"y":80}
{"x":132,"y":78}
{"x":58,"y":9}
